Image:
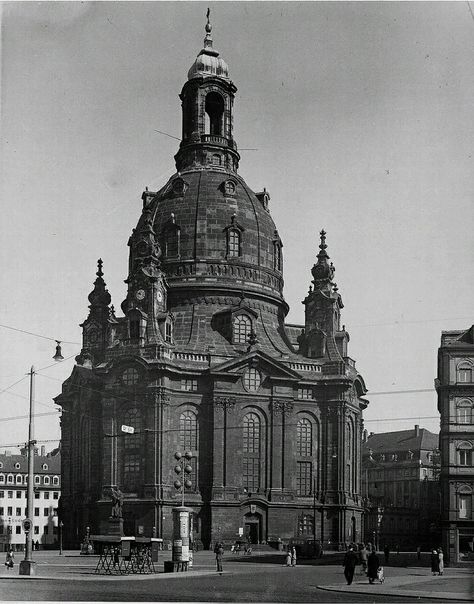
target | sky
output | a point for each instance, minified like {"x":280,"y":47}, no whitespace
{"x":361,"y":114}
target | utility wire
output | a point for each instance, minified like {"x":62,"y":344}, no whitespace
{"x":30,"y":333}
{"x":14,"y":384}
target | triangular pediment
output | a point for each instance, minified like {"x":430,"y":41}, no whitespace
{"x":258,"y":360}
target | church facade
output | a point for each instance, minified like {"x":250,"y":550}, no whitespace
{"x":201,"y":360}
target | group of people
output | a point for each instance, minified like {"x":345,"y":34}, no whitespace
{"x":369,"y":561}
{"x":437,"y":561}
{"x":291,"y":556}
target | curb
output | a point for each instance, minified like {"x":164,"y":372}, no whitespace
{"x":384,"y":591}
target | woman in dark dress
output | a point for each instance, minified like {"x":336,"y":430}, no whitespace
{"x":373,"y":564}
{"x":434,"y":562}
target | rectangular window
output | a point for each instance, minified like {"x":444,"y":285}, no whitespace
{"x":189,"y":385}
{"x":46,"y":495}
{"x":2,"y":479}
{"x":55,"y":495}
{"x":46,"y":512}
{"x":37,"y":495}
{"x":37,"y":511}
{"x":9,"y":511}
{"x":18,"y":530}
{"x":18,"y":511}
{"x":18,"y":494}
{"x":2,"y":511}
{"x":305,"y":393}
{"x":10,"y":494}
{"x":37,"y":530}
{"x":2,"y":493}
{"x":303,"y":478}
{"x":465,"y":506}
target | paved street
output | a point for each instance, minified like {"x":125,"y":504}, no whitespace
{"x":260,"y":579}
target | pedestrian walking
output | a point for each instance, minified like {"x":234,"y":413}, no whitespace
{"x":434,"y":562}
{"x":349,"y":564}
{"x":440,"y":561}
{"x":373,"y":564}
{"x":364,"y":554}
{"x":386,"y":553}
{"x":288,"y":556}
{"x":418,"y":553}
{"x":10,"y":559}
{"x":219,"y":551}
{"x":293,"y":556}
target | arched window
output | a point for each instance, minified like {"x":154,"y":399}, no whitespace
{"x":214,"y":107}
{"x":464,"y":412}
{"x":169,"y":331}
{"x":132,"y":451}
{"x":464,"y":454}
{"x":188,"y":441}
{"x":242,"y":329}
{"x":233,"y":243}
{"x":304,"y":452}
{"x":464,"y":373}
{"x":19,"y":479}
{"x":349,"y":474}
{"x":251,"y":452}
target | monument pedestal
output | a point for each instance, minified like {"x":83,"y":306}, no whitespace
{"x":115,"y":527}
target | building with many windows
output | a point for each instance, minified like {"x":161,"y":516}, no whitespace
{"x":455,"y":387}
{"x":201,"y":360}
{"x":13,"y":500}
{"x":400,"y":475}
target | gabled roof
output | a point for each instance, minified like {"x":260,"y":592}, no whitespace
{"x":257,"y":358}
{"x":403,"y":440}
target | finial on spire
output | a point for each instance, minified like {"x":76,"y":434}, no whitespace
{"x":99,"y":272}
{"x":323,"y":245}
{"x":208,"y":39}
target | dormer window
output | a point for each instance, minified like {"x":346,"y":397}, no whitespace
{"x":179,"y":186}
{"x":229,"y":187}
{"x":234,"y":238}
{"x":241,"y":329}
{"x":17,"y":466}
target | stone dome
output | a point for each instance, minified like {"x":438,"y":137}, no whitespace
{"x":197,"y":215}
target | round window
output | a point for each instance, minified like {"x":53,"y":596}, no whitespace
{"x":130,"y":376}
{"x":229,"y":187}
{"x":178,"y":186}
{"x":252,"y":380}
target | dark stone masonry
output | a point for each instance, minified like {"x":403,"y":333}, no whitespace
{"x":201,"y":360}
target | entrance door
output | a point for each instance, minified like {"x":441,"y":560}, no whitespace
{"x":251,"y":531}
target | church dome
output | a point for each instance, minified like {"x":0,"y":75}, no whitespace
{"x":215,"y":232}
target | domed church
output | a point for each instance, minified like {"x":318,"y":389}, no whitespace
{"x":202,"y":361}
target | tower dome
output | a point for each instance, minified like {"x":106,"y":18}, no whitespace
{"x":208,"y":62}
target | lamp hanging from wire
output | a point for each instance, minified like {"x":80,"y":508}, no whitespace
{"x":58,"y":354}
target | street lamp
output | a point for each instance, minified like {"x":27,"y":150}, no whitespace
{"x":183,"y":467}
{"x":61,"y":538}
{"x":27,"y":566}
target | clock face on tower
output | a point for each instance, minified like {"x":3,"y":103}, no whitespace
{"x":140,"y":294}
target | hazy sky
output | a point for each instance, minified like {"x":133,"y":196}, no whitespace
{"x":362,"y":117}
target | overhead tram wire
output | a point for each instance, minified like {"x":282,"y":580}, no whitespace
{"x":37,"y":335}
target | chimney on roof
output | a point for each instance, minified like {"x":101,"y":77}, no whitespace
{"x":417,"y":430}
{"x":43,"y":450}
{"x":364,"y":436}
{"x":372,"y":433}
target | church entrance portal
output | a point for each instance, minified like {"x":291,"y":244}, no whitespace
{"x":253,"y":528}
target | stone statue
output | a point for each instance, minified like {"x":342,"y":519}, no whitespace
{"x":117,"y":502}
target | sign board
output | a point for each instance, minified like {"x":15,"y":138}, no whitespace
{"x":26,"y":525}
{"x":155,"y":548}
{"x":126,"y":549}
{"x":241,"y":531}
{"x":128,"y":429}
